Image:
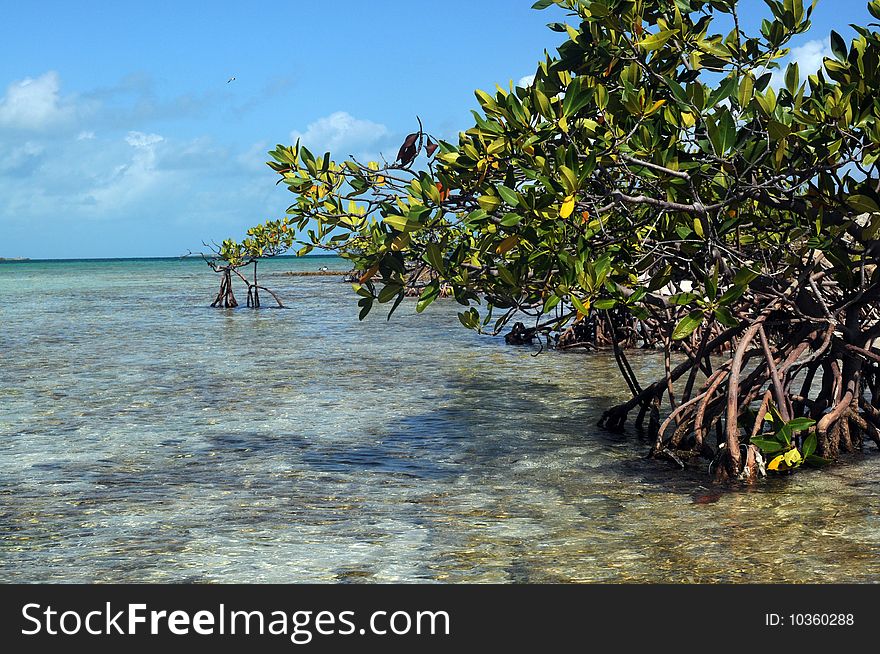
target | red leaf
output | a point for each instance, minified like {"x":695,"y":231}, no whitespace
{"x":408,"y":150}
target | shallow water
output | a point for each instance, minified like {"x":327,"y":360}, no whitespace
{"x":147,"y":437}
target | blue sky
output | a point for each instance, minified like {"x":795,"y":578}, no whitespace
{"x":120,"y":136}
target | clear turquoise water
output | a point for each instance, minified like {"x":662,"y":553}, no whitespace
{"x":147,"y":437}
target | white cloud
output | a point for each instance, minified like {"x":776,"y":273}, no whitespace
{"x":342,"y":134}
{"x":34,"y":103}
{"x":114,"y":156}
{"x":255,"y":157}
{"x":20,"y":159}
{"x":131,"y":180}
{"x":526,"y":81}
{"x":808,"y":57}
{"x":142,"y":141}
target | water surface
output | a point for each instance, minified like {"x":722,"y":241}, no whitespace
{"x":147,"y":437}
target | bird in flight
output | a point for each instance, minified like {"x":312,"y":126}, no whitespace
{"x":231,"y":79}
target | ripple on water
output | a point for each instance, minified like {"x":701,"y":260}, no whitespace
{"x":146,"y":437}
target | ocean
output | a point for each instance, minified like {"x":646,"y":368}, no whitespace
{"x":146,"y":437}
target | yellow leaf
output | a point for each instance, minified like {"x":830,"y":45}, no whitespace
{"x":567,"y":207}
{"x":793,"y":457}
{"x":582,"y":306}
{"x":775,"y":463}
{"x":507,"y":244}
{"x":610,"y":67}
{"x":655,"y":107}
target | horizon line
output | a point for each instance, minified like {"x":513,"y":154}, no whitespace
{"x":142,"y":258}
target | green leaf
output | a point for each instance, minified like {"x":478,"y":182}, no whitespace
{"x":508,"y":195}
{"x":506,"y":276}
{"x":608,"y":303}
{"x":725,"y":90}
{"x":784,"y":435}
{"x":767,"y":101}
{"x":746,"y":90}
{"x":401,"y":223}
{"x":543,"y":103}
{"x":838,"y":46}
{"x":389,"y":292}
{"x":687,"y":325}
{"x":580,"y":306}
{"x":727,"y":130}
{"x":366,"y":304}
{"x":712,"y":285}
{"x":470,"y":318}
{"x":682,"y":299}
{"x":551,"y":303}
{"x":569,"y":179}
{"x":489,"y":202}
{"x":678,"y":91}
{"x":397,"y":222}
{"x":723,"y":315}
{"x":792,"y":77}
{"x":656,"y":41}
{"x":661,"y":279}
{"x":800,"y":424}
{"x":430,"y":293}
{"x":396,"y":304}
{"x":603,"y":267}
{"x":767,"y":446}
{"x":809,"y":446}
{"x":862,"y":204}
{"x":576,"y":98}
{"x":777,"y":130}
{"x":486,"y":101}
{"x":731,"y":295}
{"x":434,"y":257}
{"x":511,"y":219}
{"x":744,"y":277}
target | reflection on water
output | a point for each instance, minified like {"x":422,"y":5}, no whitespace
{"x":147,"y":437}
